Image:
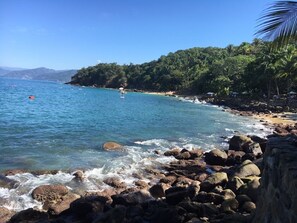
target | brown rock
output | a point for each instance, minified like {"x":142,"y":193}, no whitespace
{"x":213,"y":180}
{"x":115,"y":182}
{"x":79,"y":176}
{"x":141,"y":184}
{"x":5,"y":182}
{"x":49,"y":193}
{"x":57,"y":208}
{"x":168,"y":179}
{"x":247,"y":168}
{"x":112,"y":146}
{"x":5,"y":214}
{"x":216,"y":157}
{"x":237,"y":141}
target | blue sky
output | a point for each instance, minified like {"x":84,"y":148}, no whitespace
{"x":66,"y":34}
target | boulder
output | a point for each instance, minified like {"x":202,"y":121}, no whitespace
{"x":204,"y":197}
{"x":196,"y":153}
{"x":168,"y":179}
{"x":237,"y":141}
{"x":141,"y":184}
{"x":49,"y":193}
{"x":247,"y":168}
{"x":251,"y":189}
{"x":216,"y":157}
{"x":112,"y":146}
{"x":234,"y":157}
{"x":213,"y":180}
{"x":183,"y":156}
{"x":230,"y":205}
{"x":235,"y":183}
{"x":79,"y":176}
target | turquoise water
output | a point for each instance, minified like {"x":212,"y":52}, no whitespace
{"x":65,"y":126}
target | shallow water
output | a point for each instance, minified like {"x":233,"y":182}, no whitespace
{"x":65,"y":126}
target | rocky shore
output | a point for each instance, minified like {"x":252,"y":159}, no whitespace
{"x":215,"y":186}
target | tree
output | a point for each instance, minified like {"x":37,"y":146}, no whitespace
{"x":279,"y":23}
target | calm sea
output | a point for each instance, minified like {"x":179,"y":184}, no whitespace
{"x":65,"y":126}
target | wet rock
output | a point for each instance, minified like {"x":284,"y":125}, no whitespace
{"x":5,"y":214}
{"x":158,"y":190}
{"x":115,"y":182}
{"x":14,"y":172}
{"x":216,"y":157}
{"x":79,"y":176}
{"x":64,"y":204}
{"x":5,"y":182}
{"x":112,"y":146}
{"x":213,"y":180}
{"x":237,"y":141}
{"x":28,"y":216}
{"x":106,"y":193}
{"x":172,"y":152}
{"x":247,"y":168}
{"x":49,"y":193}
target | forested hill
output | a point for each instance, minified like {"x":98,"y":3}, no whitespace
{"x":249,"y":67}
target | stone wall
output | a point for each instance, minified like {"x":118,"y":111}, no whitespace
{"x":277,"y":201}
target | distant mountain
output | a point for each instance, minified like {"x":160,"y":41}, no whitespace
{"x":4,"y":71}
{"x":42,"y":73}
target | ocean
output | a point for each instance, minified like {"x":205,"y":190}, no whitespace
{"x":63,"y":128}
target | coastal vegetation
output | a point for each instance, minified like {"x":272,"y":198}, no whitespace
{"x":251,"y":69}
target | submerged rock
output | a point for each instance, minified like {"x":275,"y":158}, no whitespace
{"x":112,"y":146}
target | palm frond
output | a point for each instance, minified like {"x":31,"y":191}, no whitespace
{"x":279,"y":23}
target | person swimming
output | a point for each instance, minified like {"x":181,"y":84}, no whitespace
{"x":31,"y":97}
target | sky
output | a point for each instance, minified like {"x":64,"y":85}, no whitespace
{"x":71,"y":34}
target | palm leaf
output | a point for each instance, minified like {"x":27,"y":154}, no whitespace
{"x":279,"y":23}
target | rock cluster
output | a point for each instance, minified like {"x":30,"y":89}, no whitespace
{"x":214,"y":186}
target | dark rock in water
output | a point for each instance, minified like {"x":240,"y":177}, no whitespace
{"x":112,"y":146}
{"x":115,"y":182}
{"x":13,"y":172}
{"x":5,"y":182}
{"x":213,"y":180}
{"x":49,"y":193}
{"x":237,"y":141}
{"x":28,"y":216}
{"x":216,"y":157}
{"x":5,"y":214}
{"x":247,"y":168}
